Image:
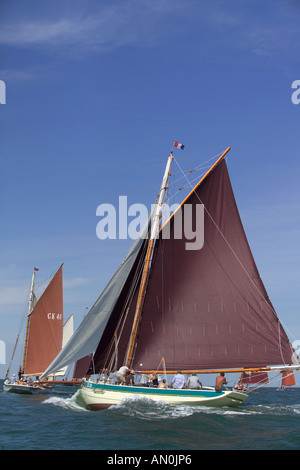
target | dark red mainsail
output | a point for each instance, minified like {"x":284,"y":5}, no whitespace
{"x":204,"y":308}
{"x":208,"y":308}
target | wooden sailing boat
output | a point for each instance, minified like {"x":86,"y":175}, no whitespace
{"x":43,"y":337}
{"x":202,"y":311}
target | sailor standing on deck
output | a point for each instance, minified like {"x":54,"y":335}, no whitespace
{"x":122,"y":373}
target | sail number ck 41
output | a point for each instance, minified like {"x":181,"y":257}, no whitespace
{"x":54,"y":316}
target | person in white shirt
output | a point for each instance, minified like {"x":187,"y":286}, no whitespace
{"x":178,"y":381}
{"x":122,"y":374}
{"x":193,"y":382}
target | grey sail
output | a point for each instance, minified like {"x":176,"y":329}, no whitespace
{"x":86,"y":338}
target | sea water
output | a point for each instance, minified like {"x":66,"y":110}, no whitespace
{"x":58,"y":420}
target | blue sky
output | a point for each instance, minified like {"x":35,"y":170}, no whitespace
{"x":96,"y":93}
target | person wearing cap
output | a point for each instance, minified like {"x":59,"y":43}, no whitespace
{"x":178,"y":381}
{"x":193,"y":382}
{"x":122,"y":374}
{"x":13,"y":379}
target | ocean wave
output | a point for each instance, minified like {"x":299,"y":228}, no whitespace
{"x":295,"y":409}
{"x":147,"y":409}
{"x":71,"y":403}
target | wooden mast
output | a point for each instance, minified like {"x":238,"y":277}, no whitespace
{"x":153,"y":235}
{"x":154,"y":232}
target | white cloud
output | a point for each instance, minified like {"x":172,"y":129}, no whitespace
{"x":108,"y":27}
{"x":97,"y":27}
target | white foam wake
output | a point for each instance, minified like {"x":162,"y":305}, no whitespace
{"x":71,"y":403}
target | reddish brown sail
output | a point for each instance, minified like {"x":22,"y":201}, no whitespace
{"x":288,"y":378}
{"x":45,"y":328}
{"x":208,"y":308}
{"x":82,"y":366}
{"x":250,"y":378}
{"x":205,"y":308}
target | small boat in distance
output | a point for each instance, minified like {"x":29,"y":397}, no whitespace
{"x":21,"y":387}
{"x":287,"y":380}
{"x":171,"y":307}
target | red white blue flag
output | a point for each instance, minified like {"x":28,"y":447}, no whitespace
{"x":178,"y":145}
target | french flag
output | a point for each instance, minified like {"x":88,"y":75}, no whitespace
{"x":178,"y":145}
